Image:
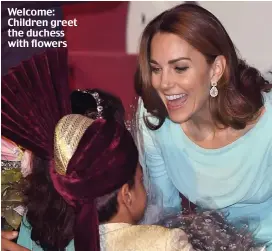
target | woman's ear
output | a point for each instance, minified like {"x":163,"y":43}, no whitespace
{"x":125,"y":195}
{"x":218,"y":68}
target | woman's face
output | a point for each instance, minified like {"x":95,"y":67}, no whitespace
{"x":181,"y":76}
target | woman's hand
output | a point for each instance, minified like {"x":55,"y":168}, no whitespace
{"x":7,"y":244}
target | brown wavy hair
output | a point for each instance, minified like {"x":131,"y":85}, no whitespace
{"x":241,"y":86}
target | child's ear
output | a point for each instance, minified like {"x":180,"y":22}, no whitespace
{"x":125,"y":195}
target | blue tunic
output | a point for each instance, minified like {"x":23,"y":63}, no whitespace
{"x":236,"y":178}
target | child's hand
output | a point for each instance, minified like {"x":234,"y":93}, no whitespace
{"x":7,"y":244}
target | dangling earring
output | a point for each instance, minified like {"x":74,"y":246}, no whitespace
{"x":214,"y":90}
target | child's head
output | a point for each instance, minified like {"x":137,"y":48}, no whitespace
{"x":120,"y":204}
{"x":96,"y":160}
{"x":92,"y":159}
{"x":108,"y":152}
{"x":84,"y":103}
{"x":126,"y":204}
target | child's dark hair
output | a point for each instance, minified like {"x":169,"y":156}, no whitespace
{"x":50,"y":217}
{"x":107,"y":206}
{"x":84,"y":103}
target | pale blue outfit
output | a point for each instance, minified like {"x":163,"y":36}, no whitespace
{"x":236,"y":178}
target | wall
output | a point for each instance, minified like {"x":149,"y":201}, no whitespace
{"x":103,"y":48}
{"x":248,"y":24}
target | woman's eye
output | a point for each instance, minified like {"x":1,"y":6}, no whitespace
{"x":155,"y":69}
{"x":181,"y":69}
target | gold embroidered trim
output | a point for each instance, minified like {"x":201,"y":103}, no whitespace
{"x":68,"y":133}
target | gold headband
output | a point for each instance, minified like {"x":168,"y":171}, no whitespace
{"x":68,"y":133}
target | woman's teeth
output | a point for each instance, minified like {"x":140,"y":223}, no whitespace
{"x":173,"y":97}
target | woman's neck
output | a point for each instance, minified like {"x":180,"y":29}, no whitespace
{"x":201,"y":125}
{"x":203,"y":131}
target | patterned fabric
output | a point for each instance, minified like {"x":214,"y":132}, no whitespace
{"x":7,"y":165}
{"x":68,"y":133}
{"x":209,"y":231}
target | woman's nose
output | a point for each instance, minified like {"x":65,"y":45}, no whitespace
{"x":167,"y":80}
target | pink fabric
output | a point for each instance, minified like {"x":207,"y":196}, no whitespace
{"x":9,"y":150}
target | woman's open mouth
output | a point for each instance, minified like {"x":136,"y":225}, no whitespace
{"x":176,"y":101}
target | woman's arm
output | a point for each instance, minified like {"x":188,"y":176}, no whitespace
{"x":153,"y":164}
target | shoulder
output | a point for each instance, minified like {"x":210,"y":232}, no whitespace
{"x":146,"y":237}
{"x":151,"y":228}
{"x":136,"y":237}
{"x":174,"y":239}
{"x":150,"y":232}
{"x":264,"y":119}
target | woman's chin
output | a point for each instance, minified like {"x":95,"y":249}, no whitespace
{"x":178,"y":117}
{"x":179,"y":111}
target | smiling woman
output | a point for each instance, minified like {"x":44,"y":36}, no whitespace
{"x":201,"y":111}
{"x":201,"y":56}
{"x":181,"y":75}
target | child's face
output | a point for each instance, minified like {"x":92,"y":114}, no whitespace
{"x":138,"y":196}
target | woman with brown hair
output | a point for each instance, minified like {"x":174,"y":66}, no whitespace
{"x":86,"y":189}
{"x":202,"y":111}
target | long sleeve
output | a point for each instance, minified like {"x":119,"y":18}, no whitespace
{"x":153,"y":164}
